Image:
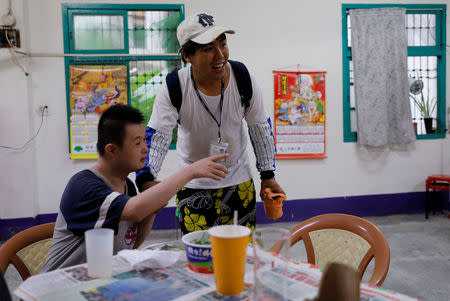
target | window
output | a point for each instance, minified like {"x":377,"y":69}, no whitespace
{"x":425,"y":27}
{"x":140,"y":39}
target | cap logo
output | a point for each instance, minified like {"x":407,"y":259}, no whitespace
{"x":205,"y":20}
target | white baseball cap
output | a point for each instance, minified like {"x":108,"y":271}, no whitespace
{"x":200,"y":28}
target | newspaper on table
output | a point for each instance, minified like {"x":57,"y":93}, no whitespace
{"x":173,"y":283}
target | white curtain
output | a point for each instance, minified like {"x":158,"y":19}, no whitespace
{"x":379,"y":54}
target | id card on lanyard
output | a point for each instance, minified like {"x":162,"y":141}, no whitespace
{"x":218,"y":148}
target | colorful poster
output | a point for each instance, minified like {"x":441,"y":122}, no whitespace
{"x":299,"y":110}
{"x":92,"y":90}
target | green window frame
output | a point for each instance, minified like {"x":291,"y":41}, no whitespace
{"x":438,"y":51}
{"x":116,"y":56}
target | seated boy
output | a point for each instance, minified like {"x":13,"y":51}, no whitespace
{"x":103,"y":197}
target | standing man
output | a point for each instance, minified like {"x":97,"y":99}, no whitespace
{"x":210,"y":112}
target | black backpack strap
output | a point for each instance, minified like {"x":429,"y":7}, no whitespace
{"x":243,"y":81}
{"x":173,"y":85}
{"x":241,"y":74}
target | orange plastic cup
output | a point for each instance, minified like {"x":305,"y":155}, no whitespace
{"x":273,"y":204}
{"x":228,"y":246}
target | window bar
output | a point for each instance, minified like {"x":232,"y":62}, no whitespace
{"x":420,"y":76}
{"x":414,"y":29}
{"x":417,"y":27}
{"x":153,"y":30}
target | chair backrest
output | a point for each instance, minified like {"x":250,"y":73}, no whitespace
{"x":344,"y":238}
{"x":27,"y":250}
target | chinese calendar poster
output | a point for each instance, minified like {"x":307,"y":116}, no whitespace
{"x":93,"y":89}
{"x":299,"y":110}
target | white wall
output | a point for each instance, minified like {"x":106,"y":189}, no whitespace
{"x":269,"y":35}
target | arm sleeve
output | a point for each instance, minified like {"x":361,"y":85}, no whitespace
{"x":260,"y":131}
{"x":158,"y":135}
{"x":263,"y":143}
{"x":158,"y":145}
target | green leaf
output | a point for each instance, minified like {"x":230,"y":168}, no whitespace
{"x":425,"y":106}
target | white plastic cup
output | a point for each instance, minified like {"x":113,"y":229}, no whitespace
{"x":99,"y":252}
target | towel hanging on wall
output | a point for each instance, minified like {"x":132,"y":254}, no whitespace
{"x":379,"y":54}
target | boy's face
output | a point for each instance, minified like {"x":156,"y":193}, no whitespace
{"x":134,"y":149}
{"x":210,"y":59}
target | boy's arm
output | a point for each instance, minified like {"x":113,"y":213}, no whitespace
{"x":145,"y":226}
{"x":151,"y":200}
{"x":144,"y":230}
{"x":147,"y":185}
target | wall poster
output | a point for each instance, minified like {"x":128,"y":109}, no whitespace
{"x":93,"y":89}
{"x":299,"y":110}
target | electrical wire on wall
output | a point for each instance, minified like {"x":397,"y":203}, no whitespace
{"x":8,"y":22}
{"x":25,"y":146}
{"x":14,"y":57}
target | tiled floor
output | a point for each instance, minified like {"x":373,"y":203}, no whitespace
{"x":420,"y":254}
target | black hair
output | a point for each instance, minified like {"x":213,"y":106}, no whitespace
{"x":111,"y":126}
{"x":190,"y":47}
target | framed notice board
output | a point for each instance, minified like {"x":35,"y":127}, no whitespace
{"x":93,"y":88}
{"x":299,"y":111}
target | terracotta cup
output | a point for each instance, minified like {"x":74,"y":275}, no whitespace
{"x":273,"y":204}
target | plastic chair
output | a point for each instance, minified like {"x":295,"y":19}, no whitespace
{"x":27,"y":250}
{"x":347,"y":239}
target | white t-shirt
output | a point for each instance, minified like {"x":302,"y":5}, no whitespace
{"x":197,"y":129}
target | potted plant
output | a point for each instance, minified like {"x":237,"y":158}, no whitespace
{"x":426,"y":107}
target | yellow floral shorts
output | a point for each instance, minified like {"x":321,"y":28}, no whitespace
{"x":200,"y":209}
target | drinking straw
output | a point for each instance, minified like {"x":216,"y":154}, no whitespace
{"x":235,"y":218}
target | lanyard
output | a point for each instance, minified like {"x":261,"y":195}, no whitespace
{"x":219,"y":122}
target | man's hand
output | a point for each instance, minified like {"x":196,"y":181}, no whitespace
{"x":272,"y":184}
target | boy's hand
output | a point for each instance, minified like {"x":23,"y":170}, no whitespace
{"x":209,"y":168}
